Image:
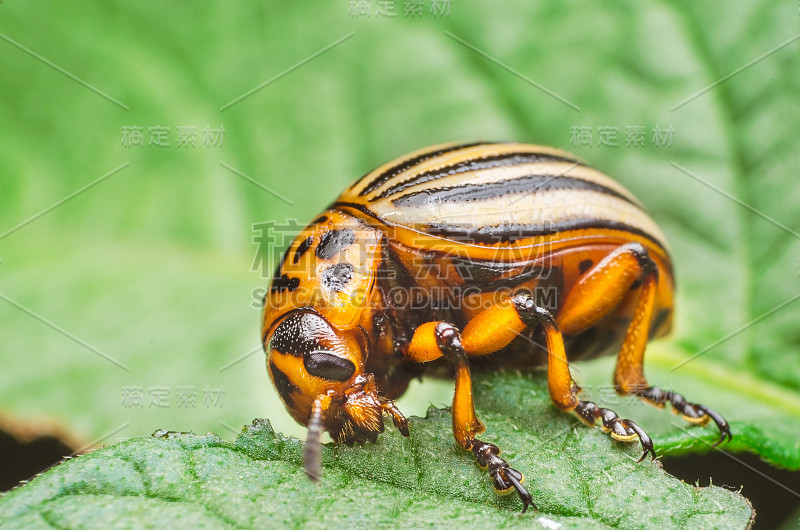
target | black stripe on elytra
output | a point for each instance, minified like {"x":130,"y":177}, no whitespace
{"x":297,"y":334}
{"x":334,"y":241}
{"x":302,"y":248}
{"x":283,"y":384}
{"x":489,"y":162}
{"x":510,"y":232}
{"x":493,"y":190}
{"x":390,"y":173}
{"x":495,"y":234}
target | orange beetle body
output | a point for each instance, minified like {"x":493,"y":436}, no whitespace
{"x":461,"y":255}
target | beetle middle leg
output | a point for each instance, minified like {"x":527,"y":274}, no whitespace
{"x":599,"y":291}
{"x":433,"y":340}
{"x":495,"y":328}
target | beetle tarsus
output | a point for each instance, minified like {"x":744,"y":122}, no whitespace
{"x":400,"y":421}
{"x":691,"y":412}
{"x":622,"y":430}
{"x":504,"y":477}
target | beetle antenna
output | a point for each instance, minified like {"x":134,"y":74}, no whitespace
{"x":311,"y":450}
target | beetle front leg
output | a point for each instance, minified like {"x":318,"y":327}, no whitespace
{"x":399,"y":420}
{"x":434,"y":340}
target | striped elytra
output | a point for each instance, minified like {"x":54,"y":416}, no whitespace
{"x":475,"y":192}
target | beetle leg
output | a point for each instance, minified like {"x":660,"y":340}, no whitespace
{"x":623,"y":430}
{"x":496,"y":327}
{"x":433,"y":340}
{"x":691,"y":412}
{"x":604,"y":286}
{"x":629,"y":374}
{"x":400,"y":421}
{"x":601,"y":289}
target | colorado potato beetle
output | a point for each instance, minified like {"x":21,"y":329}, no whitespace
{"x":447,"y":257}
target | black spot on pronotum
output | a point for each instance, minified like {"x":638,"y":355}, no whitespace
{"x":284,"y":283}
{"x":302,"y":248}
{"x":319,"y":220}
{"x":282,"y":384}
{"x":585,"y":265}
{"x":328,"y":366}
{"x":334,"y":241}
{"x":336,"y":277}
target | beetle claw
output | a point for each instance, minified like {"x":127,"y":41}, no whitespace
{"x":504,"y":477}
{"x":722,"y":425}
{"x":691,"y":412}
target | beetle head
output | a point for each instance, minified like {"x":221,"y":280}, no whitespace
{"x":309,"y":358}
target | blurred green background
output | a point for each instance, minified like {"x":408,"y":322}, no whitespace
{"x":152,"y":266}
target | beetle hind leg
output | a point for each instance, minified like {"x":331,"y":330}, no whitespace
{"x":691,"y":412}
{"x":629,"y":374}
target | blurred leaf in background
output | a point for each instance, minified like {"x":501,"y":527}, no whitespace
{"x":133,"y":305}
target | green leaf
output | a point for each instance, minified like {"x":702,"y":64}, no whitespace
{"x":578,"y":477}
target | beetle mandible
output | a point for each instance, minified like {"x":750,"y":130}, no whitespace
{"x":443,"y":258}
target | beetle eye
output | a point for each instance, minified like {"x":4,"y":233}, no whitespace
{"x":328,"y":366}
